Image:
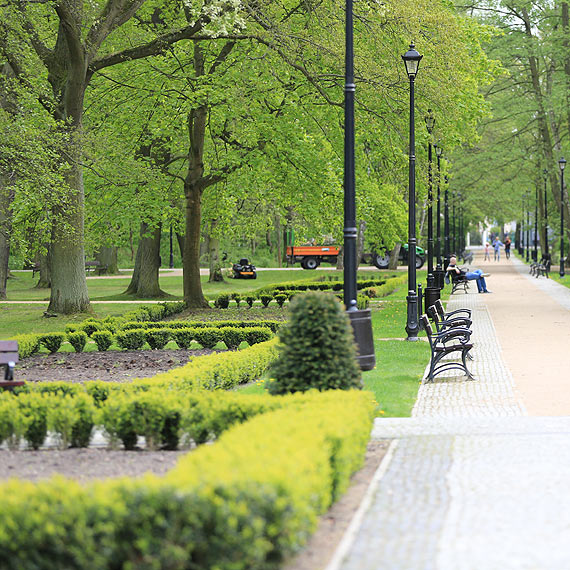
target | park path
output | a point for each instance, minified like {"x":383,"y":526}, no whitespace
{"x":477,"y":478}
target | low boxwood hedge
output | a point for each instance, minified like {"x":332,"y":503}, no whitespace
{"x":247,"y":501}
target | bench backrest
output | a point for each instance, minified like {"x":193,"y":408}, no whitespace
{"x":8,"y":351}
{"x":427,"y":326}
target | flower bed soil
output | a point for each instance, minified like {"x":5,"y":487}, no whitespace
{"x":111,"y":366}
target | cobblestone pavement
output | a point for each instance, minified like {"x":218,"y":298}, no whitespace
{"x":470,"y":482}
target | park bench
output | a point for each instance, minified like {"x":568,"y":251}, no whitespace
{"x":97,"y":267}
{"x":8,"y":359}
{"x":439,"y":308}
{"x":467,"y":256}
{"x":541,"y":267}
{"x":457,"y":281}
{"x":452,"y":341}
{"x":443,"y":323}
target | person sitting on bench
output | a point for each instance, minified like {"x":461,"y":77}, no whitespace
{"x":476,"y":274}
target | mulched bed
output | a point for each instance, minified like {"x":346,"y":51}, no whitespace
{"x":111,"y":366}
{"x":84,"y":464}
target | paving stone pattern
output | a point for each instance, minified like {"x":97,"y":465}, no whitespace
{"x":473,"y":483}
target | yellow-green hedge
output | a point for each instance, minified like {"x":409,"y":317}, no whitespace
{"x":222,"y":370}
{"x":245,"y":502}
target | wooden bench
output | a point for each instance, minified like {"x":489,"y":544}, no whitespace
{"x":467,"y":256}
{"x":542,"y":267}
{"x":455,"y":340}
{"x":8,"y":358}
{"x":458,"y":281}
{"x":441,"y":311}
{"x":96,"y":266}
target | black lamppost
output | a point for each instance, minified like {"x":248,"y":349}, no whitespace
{"x":361,"y":320}
{"x":412,"y":61}
{"x":446,"y":251}
{"x":562,"y":165}
{"x":545,"y":246}
{"x":521,"y":232}
{"x":430,"y":123}
{"x":439,"y":273}
{"x":454,"y":222}
{"x":535,"y":252}
{"x":432,"y":291}
{"x":528,"y":226}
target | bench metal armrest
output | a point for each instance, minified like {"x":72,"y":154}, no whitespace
{"x":460,"y":333}
{"x":458,"y":312}
{"x":456,"y":322}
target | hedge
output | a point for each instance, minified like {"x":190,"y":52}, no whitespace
{"x":221,"y":370}
{"x":173,"y":325}
{"x":247,"y":501}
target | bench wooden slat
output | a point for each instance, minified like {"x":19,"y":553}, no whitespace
{"x":8,"y":346}
{"x":6,"y":357}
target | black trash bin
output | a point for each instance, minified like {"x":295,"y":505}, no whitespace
{"x":361,"y":321}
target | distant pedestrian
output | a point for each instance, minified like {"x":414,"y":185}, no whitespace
{"x":497,"y":245}
{"x":508,"y":247}
{"x":487,"y":256}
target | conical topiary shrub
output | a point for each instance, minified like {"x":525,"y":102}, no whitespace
{"x":317,"y":348}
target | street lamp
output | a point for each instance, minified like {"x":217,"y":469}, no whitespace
{"x":439,"y":273}
{"x":562,"y":165}
{"x":535,"y":252}
{"x":432,"y":291}
{"x":527,"y":225}
{"x":361,"y":320}
{"x":545,"y":246}
{"x":521,"y":230}
{"x":446,"y":251}
{"x":412,"y":62}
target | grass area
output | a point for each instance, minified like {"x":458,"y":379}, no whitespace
{"x":19,"y":319}
{"x":22,"y":287}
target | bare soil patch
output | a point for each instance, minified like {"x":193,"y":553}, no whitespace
{"x":111,"y":366}
{"x":84,"y":465}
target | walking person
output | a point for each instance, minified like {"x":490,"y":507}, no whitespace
{"x":497,"y":245}
{"x":487,"y":256}
{"x":508,"y":247}
{"x":475,"y":275}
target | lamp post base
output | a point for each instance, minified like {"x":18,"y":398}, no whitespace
{"x":412,"y":324}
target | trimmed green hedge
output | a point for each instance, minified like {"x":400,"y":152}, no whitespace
{"x":247,"y":501}
{"x":173,"y":325}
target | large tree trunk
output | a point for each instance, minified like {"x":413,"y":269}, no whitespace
{"x":144,"y":282}
{"x":360,"y":242}
{"x":193,"y":295}
{"x":394,"y":255}
{"x":6,"y":197}
{"x":214,"y":255}
{"x":279,"y":240}
{"x":44,"y":282}
{"x":107,"y":256}
{"x":68,"y":283}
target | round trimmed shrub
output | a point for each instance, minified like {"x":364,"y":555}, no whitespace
{"x":281,"y":298}
{"x":183,"y":337}
{"x":77,"y":340}
{"x":131,"y":340}
{"x":265,"y":300}
{"x":52,"y":341}
{"x":157,"y":338}
{"x":317,"y":348}
{"x":249,"y":300}
{"x":103,"y":339}
{"x":222,"y":301}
